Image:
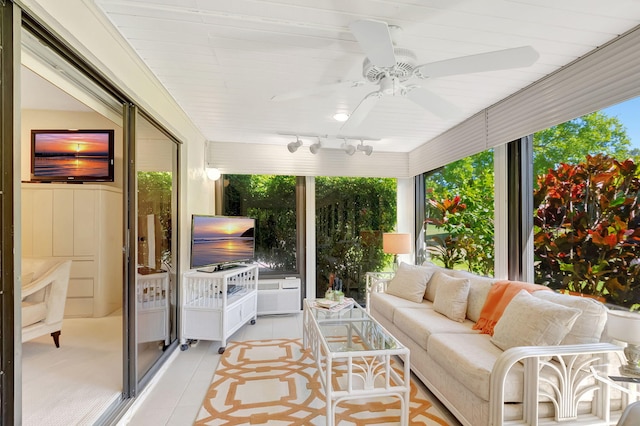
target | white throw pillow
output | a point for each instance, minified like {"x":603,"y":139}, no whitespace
{"x":451,"y":296}
{"x":589,"y":325}
{"x":530,"y":321}
{"x":479,"y":287}
{"x":409,"y":282}
{"x":430,"y":292}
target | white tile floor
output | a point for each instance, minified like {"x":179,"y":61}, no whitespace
{"x":176,"y":397}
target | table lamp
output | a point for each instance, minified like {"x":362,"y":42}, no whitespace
{"x":625,"y":327}
{"x":396,"y":243}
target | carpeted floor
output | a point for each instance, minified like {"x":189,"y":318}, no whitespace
{"x":275,"y":382}
{"x":73,"y":384}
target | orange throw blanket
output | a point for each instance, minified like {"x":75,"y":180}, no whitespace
{"x":498,"y":298}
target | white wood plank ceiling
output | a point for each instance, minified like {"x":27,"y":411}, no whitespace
{"x":224,"y":60}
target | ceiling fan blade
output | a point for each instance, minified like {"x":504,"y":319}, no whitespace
{"x":297,"y":94}
{"x":375,"y":39}
{"x":434,"y":103}
{"x":516,"y":57}
{"x":362,"y":110}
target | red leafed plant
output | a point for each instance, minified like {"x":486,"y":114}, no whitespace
{"x":448,"y":248}
{"x":586,"y":235}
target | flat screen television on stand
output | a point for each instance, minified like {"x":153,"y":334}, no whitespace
{"x":73,"y":156}
{"x":221,"y":242}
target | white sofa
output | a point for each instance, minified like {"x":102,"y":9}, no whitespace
{"x":44,"y":293}
{"x":480,"y":383}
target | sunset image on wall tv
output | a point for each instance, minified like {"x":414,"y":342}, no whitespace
{"x":72,"y":155}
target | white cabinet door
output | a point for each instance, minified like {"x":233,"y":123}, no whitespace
{"x":84,"y":225}
{"x":63,"y":218}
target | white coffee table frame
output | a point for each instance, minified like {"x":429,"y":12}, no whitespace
{"x":371,"y":375}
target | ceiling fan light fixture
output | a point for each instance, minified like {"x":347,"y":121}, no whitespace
{"x":341,"y":116}
{"x":314,"y":148}
{"x":293,"y":146}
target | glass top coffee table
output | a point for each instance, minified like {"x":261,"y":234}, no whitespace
{"x":353,"y":354}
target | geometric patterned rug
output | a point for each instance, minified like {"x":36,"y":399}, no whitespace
{"x":275,"y":382}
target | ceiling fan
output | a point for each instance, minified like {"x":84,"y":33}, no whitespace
{"x":391,"y":67}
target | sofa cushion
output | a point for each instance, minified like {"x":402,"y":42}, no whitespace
{"x":530,"y":321}
{"x":469,"y":358}
{"x":451,"y":296}
{"x":590,"y":323}
{"x":498,"y":298}
{"x":387,"y":304}
{"x":410,"y":282}
{"x":479,"y":287}
{"x":432,"y":286}
{"x":420,"y":324}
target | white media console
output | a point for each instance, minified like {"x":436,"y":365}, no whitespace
{"x":278,"y":296}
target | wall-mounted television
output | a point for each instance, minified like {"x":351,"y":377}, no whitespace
{"x":72,"y":155}
{"x":217,"y":241}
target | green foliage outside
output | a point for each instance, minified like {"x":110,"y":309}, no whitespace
{"x":459,"y":214}
{"x":271,"y":200}
{"x":586,"y":238}
{"x":586,"y":199}
{"x":351,"y":215}
{"x":154,"y":197}
{"x":571,"y":142}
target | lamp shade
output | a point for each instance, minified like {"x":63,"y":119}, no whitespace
{"x":395,"y":243}
{"x":624,"y":326}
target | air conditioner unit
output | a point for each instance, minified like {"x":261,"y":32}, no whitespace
{"x":279,"y":296}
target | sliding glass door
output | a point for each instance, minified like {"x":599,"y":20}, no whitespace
{"x":7,"y":300}
{"x":156,"y":175}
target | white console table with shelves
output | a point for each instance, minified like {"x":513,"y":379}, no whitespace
{"x":216,"y":304}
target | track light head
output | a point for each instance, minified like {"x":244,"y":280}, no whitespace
{"x":315,"y":147}
{"x":366,"y":149}
{"x":293,"y":146}
{"x":349,"y":149}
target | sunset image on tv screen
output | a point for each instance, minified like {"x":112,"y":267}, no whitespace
{"x":221,"y":239}
{"x":72,"y":154}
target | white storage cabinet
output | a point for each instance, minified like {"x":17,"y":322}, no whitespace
{"x":82,"y":223}
{"x":215,"y":305}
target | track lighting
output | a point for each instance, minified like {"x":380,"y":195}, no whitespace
{"x":349,"y":149}
{"x":366,"y":149}
{"x":315,"y":147}
{"x":293,"y":146}
{"x":330,"y":142}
